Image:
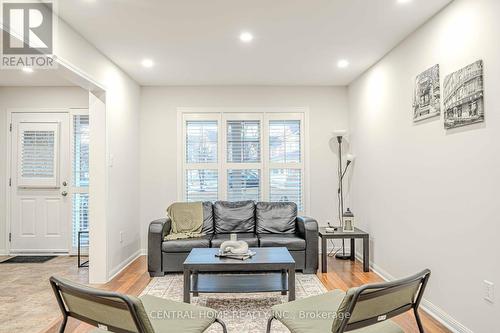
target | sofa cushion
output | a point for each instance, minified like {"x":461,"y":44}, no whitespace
{"x":208,"y":218}
{"x":238,"y":216}
{"x":185,"y":245}
{"x":276,"y":217}
{"x":291,"y":242}
{"x":250,"y":238}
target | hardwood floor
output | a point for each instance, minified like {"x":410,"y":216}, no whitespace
{"x":344,"y":274}
{"x":341,"y":275}
{"x":131,"y":281}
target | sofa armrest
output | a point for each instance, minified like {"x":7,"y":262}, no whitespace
{"x":307,"y":228}
{"x":158,"y":229}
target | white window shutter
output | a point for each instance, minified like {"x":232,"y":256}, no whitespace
{"x":284,"y":141}
{"x":243,"y":156}
{"x":201,"y":141}
{"x":243,"y":141}
{"x":81,"y":150}
{"x":80,"y":178}
{"x":202,"y":185}
{"x":286,"y":185}
{"x":80,"y":217}
{"x":243,"y":184}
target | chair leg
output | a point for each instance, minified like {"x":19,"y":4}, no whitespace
{"x":419,"y":322}
{"x":269,"y":323}
{"x":224,"y":328}
{"x":63,"y":324}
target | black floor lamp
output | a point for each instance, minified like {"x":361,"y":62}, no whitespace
{"x":340,"y":134}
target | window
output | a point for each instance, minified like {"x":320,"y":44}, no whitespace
{"x":202,"y":185}
{"x":80,"y":177}
{"x":243,"y":141}
{"x":243,"y":185}
{"x":201,"y":142}
{"x":285,"y":157}
{"x":243,"y":156}
{"x":284,"y":141}
{"x":202,"y":151}
{"x":37,"y":154}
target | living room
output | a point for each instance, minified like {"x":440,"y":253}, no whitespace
{"x":298,"y":166}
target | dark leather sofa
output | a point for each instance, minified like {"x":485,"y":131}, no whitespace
{"x":262,"y":224}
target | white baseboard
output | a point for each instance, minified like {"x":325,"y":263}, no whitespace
{"x":118,"y":269}
{"x":144,"y":252}
{"x":434,"y":311}
{"x":448,"y":321}
{"x":4,"y":252}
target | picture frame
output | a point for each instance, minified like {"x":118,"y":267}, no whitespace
{"x":427,"y":95}
{"x":464,"y":96}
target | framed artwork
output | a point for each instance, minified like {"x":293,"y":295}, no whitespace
{"x":427,"y":95}
{"x":464,"y":96}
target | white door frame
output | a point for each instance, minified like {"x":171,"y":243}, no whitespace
{"x":8,"y":161}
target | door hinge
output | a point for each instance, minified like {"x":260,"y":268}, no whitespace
{"x":10,"y":128}
{"x":10,"y":237}
{"x":10,"y":182}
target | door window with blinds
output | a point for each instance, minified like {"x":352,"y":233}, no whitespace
{"x":80,"y":177}
{"x":38,"y":155}
{"x":250,"y":156}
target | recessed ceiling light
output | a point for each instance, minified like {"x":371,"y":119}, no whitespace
{"x":246,"y":37}
{"x":343,"y":63}
{"x":27,"y":69}
{"x":148,"y":63}
{"x":404,"y":1}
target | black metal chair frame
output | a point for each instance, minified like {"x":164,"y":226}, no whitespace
{"x":114,"y":299}
{"x":380,"y":289}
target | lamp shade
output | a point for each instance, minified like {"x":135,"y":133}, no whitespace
{"x":350,"y":157}
{"x":340,"y":133}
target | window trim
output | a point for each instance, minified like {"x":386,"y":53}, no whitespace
{"x":222,"y":115}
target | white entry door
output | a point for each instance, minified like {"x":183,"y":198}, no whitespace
{"x":40,"y":175}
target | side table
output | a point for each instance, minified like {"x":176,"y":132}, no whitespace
{"x":339,"y":234}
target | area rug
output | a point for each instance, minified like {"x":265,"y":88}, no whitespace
{"x":242,"y":313}
{"x":27,"y":260}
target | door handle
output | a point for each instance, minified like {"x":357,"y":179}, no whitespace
{"x":64,"y":193}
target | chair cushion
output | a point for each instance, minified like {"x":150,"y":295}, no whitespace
{"x":292,"y":314}
{"x":275,"y":217}
{"x":291,"y":242}
{"x":317,"y":313}
{"x":238,"y":216}
{"x":387,"y":326}
{"x":208,"y":218}
{"x":250,"y":238}
{"x":185,"y":245}
{"x":169,"y":316}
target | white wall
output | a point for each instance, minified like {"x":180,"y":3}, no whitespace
{"x":119,"y":195}
{"x":29,"y":97}
{"x":428,"y":197}
{"x":159,"y":154}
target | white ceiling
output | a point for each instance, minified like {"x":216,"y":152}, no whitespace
{"x":39,"y":77}
{"x":195,"y":42}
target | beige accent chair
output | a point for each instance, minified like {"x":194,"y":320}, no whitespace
{"x":365,"y":309}
{"x":110,"y":311}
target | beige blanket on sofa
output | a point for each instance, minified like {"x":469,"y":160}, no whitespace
{"x":187,"y":220}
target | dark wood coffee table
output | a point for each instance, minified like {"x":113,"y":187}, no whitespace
{"x":272,"y":269}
